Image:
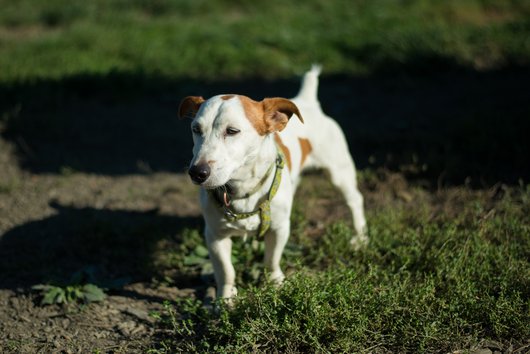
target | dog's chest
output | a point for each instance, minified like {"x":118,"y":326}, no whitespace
{"x":233,"y":217}
{"x":243,"y":227}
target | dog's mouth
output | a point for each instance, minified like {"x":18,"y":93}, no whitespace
{"x":210,"y":186}
{"x":208,"y":183}
{"x":207,"y":176}
{"x":204,"y":185}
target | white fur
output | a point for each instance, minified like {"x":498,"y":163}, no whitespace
{"x":243,"y":159}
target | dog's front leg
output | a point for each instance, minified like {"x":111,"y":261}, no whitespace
{"x":275,"y":241}
{"x":220,"y":249}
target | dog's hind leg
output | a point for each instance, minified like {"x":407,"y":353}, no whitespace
{"x":344,"y":178}
{"x":342,"y":171}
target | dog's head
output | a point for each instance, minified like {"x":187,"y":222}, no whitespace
{"x":227,"y":129}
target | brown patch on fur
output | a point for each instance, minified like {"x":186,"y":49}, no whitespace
{"x":306,"y":148}
{"x":227,"y":97}
{"x":270,"y":115}
{"x":189,"y":106}
{"x":284,"y":149}
{"x":254,"y":112}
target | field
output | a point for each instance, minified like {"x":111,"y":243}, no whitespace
{"x":96,"y":208}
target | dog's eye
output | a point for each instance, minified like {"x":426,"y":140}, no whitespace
{"x":196,"y":129}
{"x":232,"y":131}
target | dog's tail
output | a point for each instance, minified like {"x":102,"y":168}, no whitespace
{"x":309,"y":88}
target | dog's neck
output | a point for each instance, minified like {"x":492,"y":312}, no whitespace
{"x":251,"y":177}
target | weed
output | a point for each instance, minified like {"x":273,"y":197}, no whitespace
{"x":68,"y":294}
{"x":12,"y":346}
{"x":189,"y":257}
{"x":83,"y":287}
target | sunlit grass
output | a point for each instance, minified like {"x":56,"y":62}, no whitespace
{"x":428,"y":282}
{"x":212,"y":40}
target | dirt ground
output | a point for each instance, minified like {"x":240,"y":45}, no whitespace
{"x":119,"y":324}
{"x":65,"y":206}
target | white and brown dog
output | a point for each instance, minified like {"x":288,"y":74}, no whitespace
{"x":240,"y":149}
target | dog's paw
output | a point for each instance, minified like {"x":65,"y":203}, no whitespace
{"x":226,"y":296}
{"x":276,"y":278}
{"x":359,"y":241}
{"x":227,"y":292}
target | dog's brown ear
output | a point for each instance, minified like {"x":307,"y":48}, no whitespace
{"x":189,"y":106}
{"x":278,"y":111}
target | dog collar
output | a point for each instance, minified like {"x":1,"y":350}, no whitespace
{"x":264,"y":208}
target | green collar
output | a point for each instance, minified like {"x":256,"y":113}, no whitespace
{"x":264,"y":208}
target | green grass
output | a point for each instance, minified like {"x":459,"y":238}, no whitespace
{"x":227,"y":39}
{"x":428,"y":282}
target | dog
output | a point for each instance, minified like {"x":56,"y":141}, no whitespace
{"x":247,"y":159}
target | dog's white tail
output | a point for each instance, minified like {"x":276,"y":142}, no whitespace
{"x":309,"y":88}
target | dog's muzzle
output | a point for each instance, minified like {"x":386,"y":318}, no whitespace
{"x":199,"y":173}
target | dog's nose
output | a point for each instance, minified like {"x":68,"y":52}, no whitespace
{"x":199,"y":173}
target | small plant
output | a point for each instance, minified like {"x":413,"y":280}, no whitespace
{"x":198,"y":257}
{"x":81,"y":288}
{"x":52,"y":294}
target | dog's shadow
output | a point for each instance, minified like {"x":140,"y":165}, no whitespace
{"x":117,"y":244}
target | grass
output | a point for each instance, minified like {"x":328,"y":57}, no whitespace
{"x":226,"y":39}
{"x":428,"y":282}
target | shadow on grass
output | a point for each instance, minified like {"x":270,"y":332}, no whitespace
{"x":444,"y":125}
{"x":108,"y":244}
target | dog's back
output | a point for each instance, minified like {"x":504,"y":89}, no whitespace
{"x":320,"y":143}
{"x":308,"y":144}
